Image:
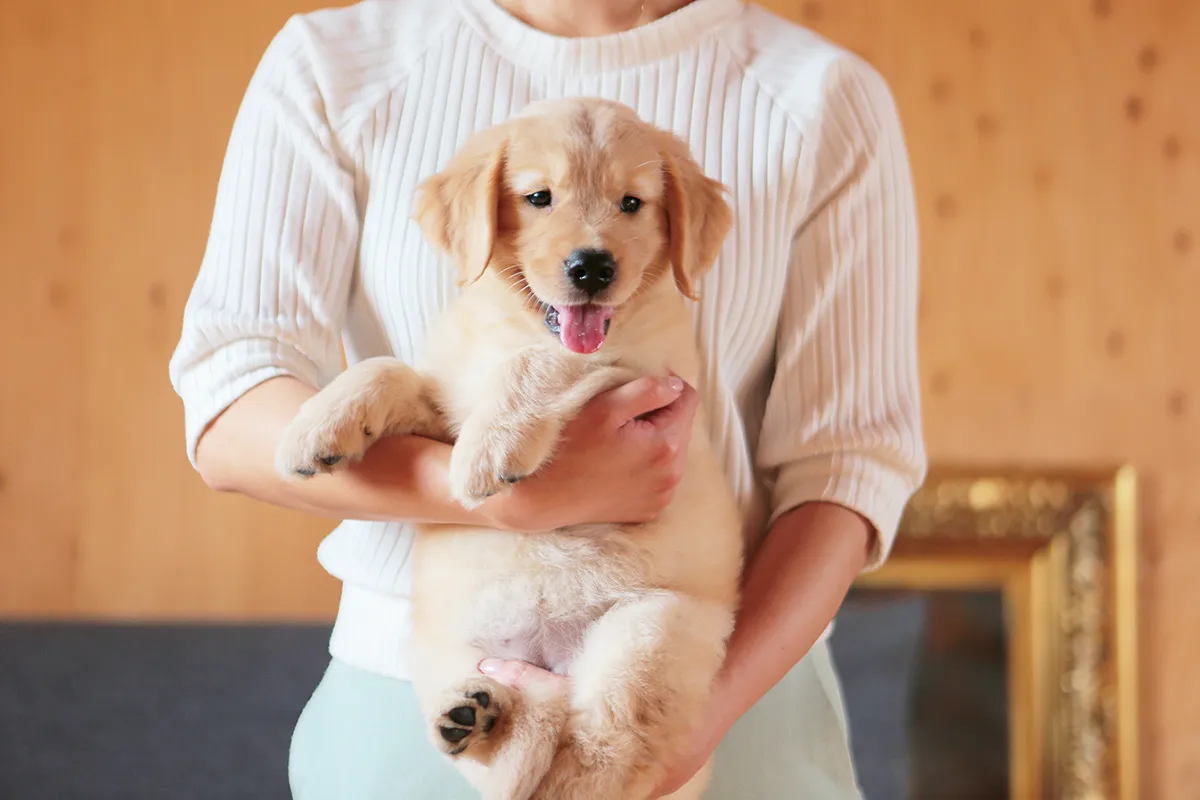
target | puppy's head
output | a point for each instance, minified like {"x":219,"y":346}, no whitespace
{"x":576,"y":205}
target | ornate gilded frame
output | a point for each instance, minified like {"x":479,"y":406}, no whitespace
{"x":1062,"y":548}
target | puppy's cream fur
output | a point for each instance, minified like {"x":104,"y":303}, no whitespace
{"x":637,"y":615}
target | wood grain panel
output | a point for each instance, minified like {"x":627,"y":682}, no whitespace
{"x":42,"y":305}
{"x":107,"y":178}
{"x":1057,"y":161}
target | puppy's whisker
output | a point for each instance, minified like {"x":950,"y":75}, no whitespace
{"x":516,"y":281}
{"x":644,"y":286}
{"x":525,"y":292}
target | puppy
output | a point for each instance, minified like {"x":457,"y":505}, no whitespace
{"x":580,"y":232}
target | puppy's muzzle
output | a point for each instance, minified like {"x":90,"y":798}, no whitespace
{"x":590,"y":271}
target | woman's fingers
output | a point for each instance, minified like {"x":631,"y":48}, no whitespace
{"x":639,"y":397}
{"x":522,"y":675}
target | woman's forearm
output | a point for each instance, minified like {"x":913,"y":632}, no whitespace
{"x":400,"y":478}
{"x":793,"y":587}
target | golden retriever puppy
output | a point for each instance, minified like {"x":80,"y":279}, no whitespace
{"x":579,"y":231}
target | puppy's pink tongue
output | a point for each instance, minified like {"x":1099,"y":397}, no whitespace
{"x":581,"y":328}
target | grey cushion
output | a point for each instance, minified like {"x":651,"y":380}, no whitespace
{"x":150,"y":712}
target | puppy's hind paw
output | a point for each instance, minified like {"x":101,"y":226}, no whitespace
{"x":468,"y":719}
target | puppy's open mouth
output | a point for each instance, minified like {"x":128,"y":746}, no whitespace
{"x":581,"y":328}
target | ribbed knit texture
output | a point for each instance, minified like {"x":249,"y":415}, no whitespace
{"x":807,"y":323}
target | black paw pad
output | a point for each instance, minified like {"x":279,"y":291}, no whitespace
{"x":307,"y":472}
{"x":463,"y":715}
{"x":461,"y":724}
{"x":329,"y":461}
{"x":512,"y":478}
{"x":453,"y":735}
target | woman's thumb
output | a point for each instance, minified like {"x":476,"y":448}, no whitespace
{"x":642,"y":396}
{"x":521,"y":675}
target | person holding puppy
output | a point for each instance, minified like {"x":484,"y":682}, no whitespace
{"x":807,"y":324}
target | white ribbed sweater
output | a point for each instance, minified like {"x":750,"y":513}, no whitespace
{"x":807,"y":323}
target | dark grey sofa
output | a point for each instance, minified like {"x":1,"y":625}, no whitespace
{"x":204,"y":712}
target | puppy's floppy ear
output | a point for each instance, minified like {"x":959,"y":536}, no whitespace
{"x":697,"y":214}
{"x":457,"y":208}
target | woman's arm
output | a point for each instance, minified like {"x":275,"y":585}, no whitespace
{"x":405,"y":477}
{"x":842,"y":432}
{"x":262,"y":327}
{"x":401,"y":477}
{"x":793,"y":588}
{"x":795,"y":585}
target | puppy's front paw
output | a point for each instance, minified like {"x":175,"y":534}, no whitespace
{"x":477,"y":473}
{"x":468,"y":719}
{"x":327,"y":434}
{"x":485,"y":465}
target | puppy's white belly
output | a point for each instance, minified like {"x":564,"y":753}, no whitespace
{"x":541,"y":615}
{"x":526,"y":597}
{"x":547,"y":643}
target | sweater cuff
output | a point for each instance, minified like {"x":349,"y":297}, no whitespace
{"x":867,"y":487}
{"x":209,"y":386}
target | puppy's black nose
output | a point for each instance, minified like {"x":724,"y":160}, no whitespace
{"x":590,"y":271}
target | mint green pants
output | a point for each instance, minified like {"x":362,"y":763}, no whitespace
{"x":362,"y":737}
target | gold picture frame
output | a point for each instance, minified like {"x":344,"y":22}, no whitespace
{"x":1061,"y":547}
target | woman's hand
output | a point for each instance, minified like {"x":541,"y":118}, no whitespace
{"x":619,"y":461}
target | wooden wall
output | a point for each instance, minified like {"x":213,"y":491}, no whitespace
{"x":1056,"y":147}
{"x":115,"y":121}
{"x":1056,"y":154}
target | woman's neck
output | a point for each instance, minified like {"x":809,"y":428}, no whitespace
{"x":577,"y":18}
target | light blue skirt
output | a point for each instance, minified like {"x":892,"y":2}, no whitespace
{"x":362,"y":737}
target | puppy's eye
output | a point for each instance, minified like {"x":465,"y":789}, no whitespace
{"x":630,"y":204}
{"x":538,"y":199}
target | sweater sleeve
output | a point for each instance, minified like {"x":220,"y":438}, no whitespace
{"x":271,"y":292}
{"x":842,"y":422}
